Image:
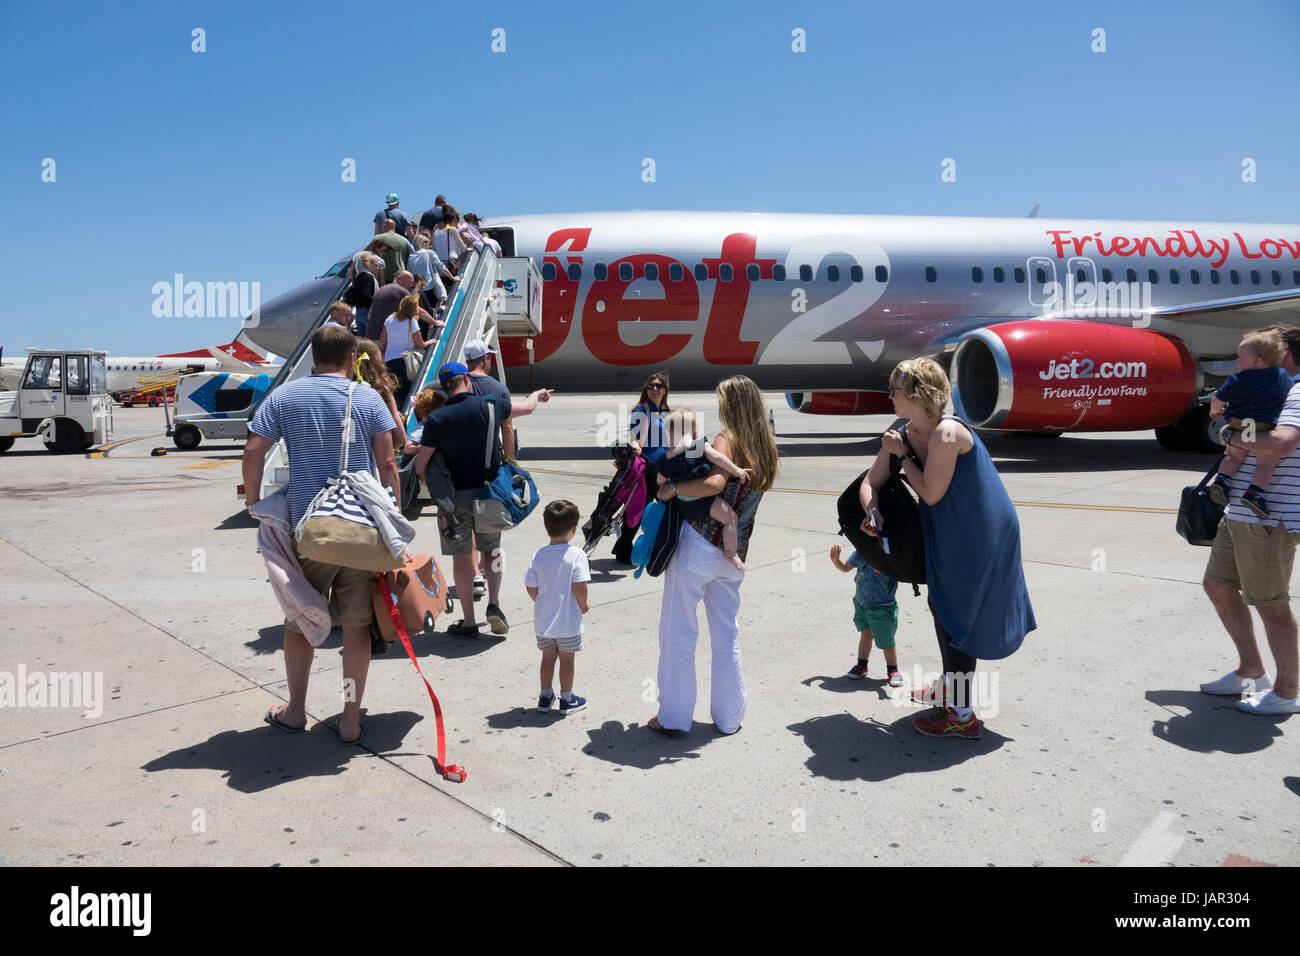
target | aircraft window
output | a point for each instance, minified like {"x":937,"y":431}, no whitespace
{"x":1173,"y":277}
{"x":805,"y":274}
{"x":725,"y":272}
{"x":1080,"y":276}
{"x":778,"y":273}
{"x":751,"y":272}
{"x":1214,"y":277}
{"x":625,"y":271}
{"x":1153,"y":276}
{"x":882,"y":274}
{"x":600,"y":271}
{"x":833,"y":273}
{"x":1040,"y":274}
{"x":1254,"y":277}
{"x":675,"y":272}
{"x":1234,"y":277}
{"x":1277,"y":277}
{"x":931,"y":274}
{"x":701,"y":271}
{"x":652,"y":271}
{"x":548,"y":272}
{"x":1295,"y":277}
{"x":1019,"y":274}
{"x":1131,"y":275}
{"x":855,"y":273}
{"x":575,"y":271}
{"x":339,"y":268}
{"x":1195,"y":276}
{"x":976,"y":274}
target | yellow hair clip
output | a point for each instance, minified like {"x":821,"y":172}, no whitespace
{"x":356,"y":366}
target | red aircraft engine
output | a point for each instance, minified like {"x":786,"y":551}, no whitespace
{"x":1071,"y":376}
{"x":840,"y":403}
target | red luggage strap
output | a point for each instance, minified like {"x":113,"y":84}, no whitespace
{"x":452,"y":772}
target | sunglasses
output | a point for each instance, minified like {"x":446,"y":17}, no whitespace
{"x":656,"y":385}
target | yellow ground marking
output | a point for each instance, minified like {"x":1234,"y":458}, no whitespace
{"x":103,"y":450}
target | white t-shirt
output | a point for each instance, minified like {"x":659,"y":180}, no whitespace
{"x":1283,"y":492}
{"x":553,"y":571}
{"x":399,"y":335}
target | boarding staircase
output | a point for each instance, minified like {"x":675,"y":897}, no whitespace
{"x":472,"y":314}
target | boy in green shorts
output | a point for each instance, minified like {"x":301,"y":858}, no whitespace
{"x":875,"y":615}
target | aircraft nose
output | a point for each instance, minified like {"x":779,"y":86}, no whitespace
{"x":279,"y":325}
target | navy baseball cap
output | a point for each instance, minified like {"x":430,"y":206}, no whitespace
{"x":450,"y":370}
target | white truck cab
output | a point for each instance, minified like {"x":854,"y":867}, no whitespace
{"x":62,"y":398}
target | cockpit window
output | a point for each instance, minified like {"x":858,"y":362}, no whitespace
{"x":339,"y":268}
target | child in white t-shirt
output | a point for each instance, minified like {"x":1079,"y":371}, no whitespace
{"x":557,"y":582}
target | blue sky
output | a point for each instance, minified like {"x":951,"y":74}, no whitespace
{"x":225,"y":165}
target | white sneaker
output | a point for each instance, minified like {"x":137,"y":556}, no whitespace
{"x":1232,"y":685}
{"x":480,"y":586}
{"x":1269,"y":703}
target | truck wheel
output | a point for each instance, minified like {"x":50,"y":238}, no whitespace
{"x":187,"y":437}
{"x":68,"y":437}
{"x":153,"y":401}
{"x":5,"y":444}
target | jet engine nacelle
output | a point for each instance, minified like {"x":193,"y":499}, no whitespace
{"x":1061,"y":375}
{"x":840,"y":403}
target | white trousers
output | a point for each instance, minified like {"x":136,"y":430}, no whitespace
{"x":698,"y":571}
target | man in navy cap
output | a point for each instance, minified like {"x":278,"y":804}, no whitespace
{"x":462,"y":429}
{"x":479,"y":358}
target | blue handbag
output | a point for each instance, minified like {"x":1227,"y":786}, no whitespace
{"x":511,"y":495}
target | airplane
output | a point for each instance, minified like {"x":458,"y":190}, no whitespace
{"x":127,"y":374}
{"x":1044,"y":325}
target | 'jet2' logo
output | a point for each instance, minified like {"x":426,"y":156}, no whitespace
{"x":1083,"y":368}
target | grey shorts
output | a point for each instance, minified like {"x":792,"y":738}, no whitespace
{"x":463,"y":524}
{"x":569,"y":645}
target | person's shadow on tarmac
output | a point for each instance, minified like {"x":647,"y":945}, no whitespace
{"x":845,"y":747}
{"x":1211,"y":724}
{"x":261,"y":757}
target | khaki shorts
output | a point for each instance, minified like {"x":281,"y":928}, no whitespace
{"x":463,"y":524}
{"x":1253,"y":559}
{"x":350,"y":604}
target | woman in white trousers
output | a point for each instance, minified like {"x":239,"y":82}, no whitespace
{"x":698,"y":571}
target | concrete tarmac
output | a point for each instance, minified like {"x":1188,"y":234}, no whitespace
{"x":1099,"y":749}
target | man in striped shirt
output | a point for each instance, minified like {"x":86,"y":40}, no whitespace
{"x":308,"y":415}
{"x":1250,"y":564}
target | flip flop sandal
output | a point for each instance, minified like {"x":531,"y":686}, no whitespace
{"x":273,"y":719}
{"x":354,"y":741}
{"x":653,"y":724}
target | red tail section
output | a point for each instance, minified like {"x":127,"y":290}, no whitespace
{"x":236,"y":350}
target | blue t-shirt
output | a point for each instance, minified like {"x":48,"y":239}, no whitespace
{"x":687,"y":466}
{"x":459,"y":430}
{"x":874,"y":588}
{"x":308,"y":415}
{"x":1257,"y":393}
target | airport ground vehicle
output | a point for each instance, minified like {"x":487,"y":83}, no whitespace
{"x":62,"y":398}
{"x":213,"y":405}
{"x":153,"y":397}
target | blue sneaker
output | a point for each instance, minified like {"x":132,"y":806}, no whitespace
{"x":544,"y":702}
{"x":573,"y":704}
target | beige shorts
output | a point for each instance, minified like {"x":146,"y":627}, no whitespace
{"x":1253,"y":559}
{"x":570,"y":645}
{"x":463,"y":523}
{"x":346,"y":589}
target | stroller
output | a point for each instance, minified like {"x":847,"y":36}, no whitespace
{"x":623,"y":499}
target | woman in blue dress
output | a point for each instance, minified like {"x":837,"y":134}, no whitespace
{"x":974,"y":572}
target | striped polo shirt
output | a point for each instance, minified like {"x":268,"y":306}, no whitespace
{"x":308,"y":415}
{"x":1283,"y":492}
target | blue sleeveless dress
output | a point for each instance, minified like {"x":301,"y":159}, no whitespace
{"x":975,"y":576}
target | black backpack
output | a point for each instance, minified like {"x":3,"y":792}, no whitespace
{"x":905,"y":559}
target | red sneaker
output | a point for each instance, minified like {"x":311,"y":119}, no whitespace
{"x":936,"y":695}
{"x":858,"y":671}
{"x":948,"y":724}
